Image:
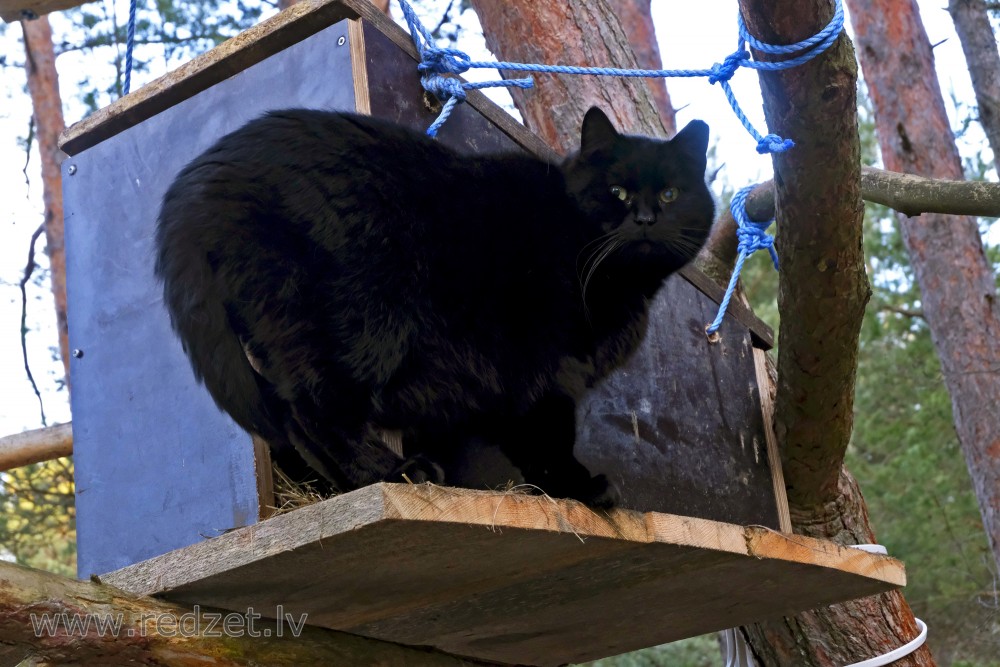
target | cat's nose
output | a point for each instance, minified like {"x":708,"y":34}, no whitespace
{"x":645,"y":216}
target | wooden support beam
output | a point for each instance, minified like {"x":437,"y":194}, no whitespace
{"x":113,"y":627}
{"x":42,"y":444}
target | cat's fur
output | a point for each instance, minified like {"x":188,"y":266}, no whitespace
{"x":328,"y":271}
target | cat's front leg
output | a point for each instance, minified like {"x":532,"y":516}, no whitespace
{"x":541,"y":442}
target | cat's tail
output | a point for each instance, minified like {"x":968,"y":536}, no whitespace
{"x":217,"y":355}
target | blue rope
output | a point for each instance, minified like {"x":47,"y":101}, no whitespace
{"x":129,"y":45}
{"x":435,"y":63}
{"x":752,"y":237}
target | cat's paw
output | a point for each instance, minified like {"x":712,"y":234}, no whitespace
{"x":599,"y":492}
{"x":418,"y":469}
{"x":596,"y":491}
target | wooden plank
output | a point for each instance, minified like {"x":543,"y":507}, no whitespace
{"x":16,"y":10}
{"x":35,"y":446}
{"x":264,"y":471}
{"x":507,"y":577}
{"x":359,"y":67}
{"x":773,"y":454}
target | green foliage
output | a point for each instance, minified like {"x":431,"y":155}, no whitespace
{"x":701,"y":651}
{"x":38,"y":516}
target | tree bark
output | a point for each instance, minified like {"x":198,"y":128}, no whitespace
{"x":956,"y":279}
{"x":823,"y":287}
{"x":906,"y":193}
{"x":823,"y":290}
{"x":42,"y":444}
{"x":843,"y":633}
{"x":569,"y":33}
{"x":152,"y":632}
{"x":43,"y":86}
{"x":972,"y":24}
{"x":637,"y":21}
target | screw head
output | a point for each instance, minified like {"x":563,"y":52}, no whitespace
{"x":72,"y":169}
{"x":77,"y":353}
{"x":341,"y":40}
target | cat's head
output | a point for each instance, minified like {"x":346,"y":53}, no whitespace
{"x":648,"y":195}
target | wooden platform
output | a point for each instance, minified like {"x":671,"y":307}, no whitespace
{"x":508,"y":577}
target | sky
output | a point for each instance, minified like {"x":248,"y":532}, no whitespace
{"x":687,"y":40}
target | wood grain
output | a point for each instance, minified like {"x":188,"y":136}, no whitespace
{"x":359,"y":68}
{"x":509,"y":577}
{"x":265,"y":476}
{"x":764,"y":386}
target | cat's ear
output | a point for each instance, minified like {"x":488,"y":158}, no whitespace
{"x":597,"y":132}
{"x":693,"y":141}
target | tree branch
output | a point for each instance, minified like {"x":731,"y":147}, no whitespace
{"x":912,"y":195}
{"x":43,"y":444}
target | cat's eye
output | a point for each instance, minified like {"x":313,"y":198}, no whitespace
{"x":669,"y":195}
{"x":619,"y":192}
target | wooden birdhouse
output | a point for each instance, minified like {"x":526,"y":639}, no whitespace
{"x":172,"y":496}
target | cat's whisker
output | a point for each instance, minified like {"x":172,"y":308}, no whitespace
{"x":609,"y":248}
{"x":599,"y":241}
{"x":604,"y":242}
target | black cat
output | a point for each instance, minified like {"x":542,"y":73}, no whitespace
{"x":327,"y":272}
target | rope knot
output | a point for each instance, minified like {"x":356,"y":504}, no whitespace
{"x":753,"y":237}
{"x":772,"y":143}
{"x":442,"y":61}
{"x":443,"y":87}
{"x":728,"y":67}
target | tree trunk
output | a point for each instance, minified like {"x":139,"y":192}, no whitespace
{"x":569,"y":33}
{"x":843,"y":633}
{"x":823,"y":290}
{"x":980,"y":46}
{"x":152,"y":632}
{"x":43,"y":85}
{"x":823,"y":287}
{"x":637,"y":22}
{"x":956,"y":280}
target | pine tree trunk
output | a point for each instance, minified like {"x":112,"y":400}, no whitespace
{"x":823,"y":290}
{"x":569,"y":33}
{"x":637,"y":21}
{"x":43,"y":85}
{"x":957,"y":287}
{"x":980,"y":46}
